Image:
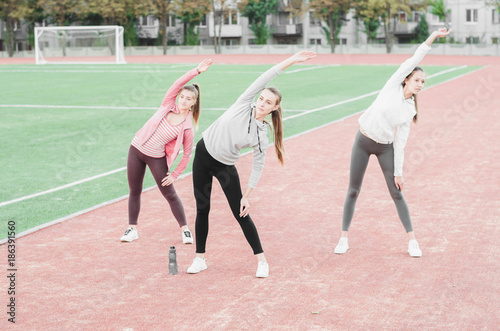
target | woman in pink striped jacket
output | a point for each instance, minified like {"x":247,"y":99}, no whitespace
{"x":157,"y":144}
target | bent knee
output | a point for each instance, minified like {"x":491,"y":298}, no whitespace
{"x":353,"y":193}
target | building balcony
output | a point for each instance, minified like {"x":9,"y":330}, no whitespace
{"x":287,"y":30}
{"x":227,"y":31}
{"x":147,"y":31}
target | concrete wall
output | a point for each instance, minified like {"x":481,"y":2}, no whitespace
{"x":443,"y":49}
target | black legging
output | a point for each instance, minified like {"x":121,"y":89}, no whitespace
{"x":136,"y":168}
{"x":362,"y":148}
{"x":204,"y":168}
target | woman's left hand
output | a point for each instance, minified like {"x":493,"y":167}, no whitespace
{"x":398,"y":181}
{"x":203,"y":66}
{"x":169,"y":179}
{"x":244,"y":207}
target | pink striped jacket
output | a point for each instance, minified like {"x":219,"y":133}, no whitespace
{"x":186,"y":135}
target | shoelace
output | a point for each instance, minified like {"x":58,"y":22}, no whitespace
{"x":127,"y":231}
{"x":187,"y":234}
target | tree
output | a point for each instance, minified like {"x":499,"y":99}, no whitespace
{"x":116,"y":12}
{"x":494,"y":3}
{"x":438,"y":8}
{"x":161,"y":9}
{"x":422,"y":30}
{"x":257,"y":11}
{"x":387,"y":12}
{"x":35,"y":15}
{"x":371,"y":24}
{"x":191,"y":13}
{"x":12,"y":11}
{"x":218,"y":7}
{"x":63,"y":12}
{"x":333,"y":13}
{"x":371,"y":28}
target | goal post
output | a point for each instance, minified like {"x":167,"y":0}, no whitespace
{"x":101,"y":44}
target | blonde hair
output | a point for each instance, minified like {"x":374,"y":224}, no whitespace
{"x":196,"y":110}
{"x":276,"y":116}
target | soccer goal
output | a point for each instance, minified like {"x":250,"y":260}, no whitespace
{"x":79,"y":44}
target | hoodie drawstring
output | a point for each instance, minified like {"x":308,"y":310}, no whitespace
{"x":250,"y":122}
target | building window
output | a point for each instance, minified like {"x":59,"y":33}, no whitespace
{"x":495,"y":17}
{"x":171,"y":21}
{"x":203,"y":21}
{"x":417,"y":16}
{"x":314,"y":21}
{"x":146,"y":20}
{"x":472,"y":40}
{"x":283,"y":18}
{"x":341,"y":41}
{"x":230,"y":18}
{"x":315,"y":41}
{"x":402,"y":16}
{"x":471,"y":15}
{"x":230,"y":42}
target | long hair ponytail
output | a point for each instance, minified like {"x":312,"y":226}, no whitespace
{"x":415,"y":118}
{"x":278,"y":126}
{"x":196,"y":109}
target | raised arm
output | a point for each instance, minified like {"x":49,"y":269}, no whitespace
{"x":179,"y":83}
{"x":266,"y":77}
{"x":407,"y":67}
{"x":296,"y":58}
{"x":441,"y":33}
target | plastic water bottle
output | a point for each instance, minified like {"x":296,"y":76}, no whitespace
{"x":172,"y":261}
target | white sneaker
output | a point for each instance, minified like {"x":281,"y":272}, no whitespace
{"x":198,"y":265}
{"x":262,"y":270}
{"x":342,"y":246}
{"x":129,"y":235}
{"x":413,"y":248}
{"x":187,"y":237}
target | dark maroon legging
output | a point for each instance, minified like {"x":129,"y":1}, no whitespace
{"x":136,"y":168}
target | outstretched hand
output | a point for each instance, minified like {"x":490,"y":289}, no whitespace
{"x":441,"y":33}
{"x":203,"y":66}
{"x":303,"y":56}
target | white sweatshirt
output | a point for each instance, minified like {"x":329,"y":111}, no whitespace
{"x":391,"y":111}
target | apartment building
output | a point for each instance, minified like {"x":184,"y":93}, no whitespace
{"x":472,"y":22}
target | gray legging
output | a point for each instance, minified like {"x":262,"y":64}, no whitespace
{"x":362,"y":148}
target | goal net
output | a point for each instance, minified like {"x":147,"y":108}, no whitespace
{"x":79,"y":44}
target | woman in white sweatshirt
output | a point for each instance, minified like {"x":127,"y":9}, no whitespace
{"x":393,"y":110}
{"x":242,"y":125}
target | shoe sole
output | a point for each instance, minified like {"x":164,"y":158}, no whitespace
{"x":187,"y":242}
{"x":340,"y":253}
{"x":127,"y":241}
{"x":191,"y":272}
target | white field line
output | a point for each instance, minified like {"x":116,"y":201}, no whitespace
{"x":109,"y":107}
{"x":65,"y":218}
{"x":310,"y":68}
{"x":363,"y":96}
{"x":61,"y":187}
{"x":165,"y":70}
{"x":284,"y":119}
{"x":88,"y":107}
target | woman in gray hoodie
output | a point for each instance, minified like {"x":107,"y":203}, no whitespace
{"x":242,"y":125}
